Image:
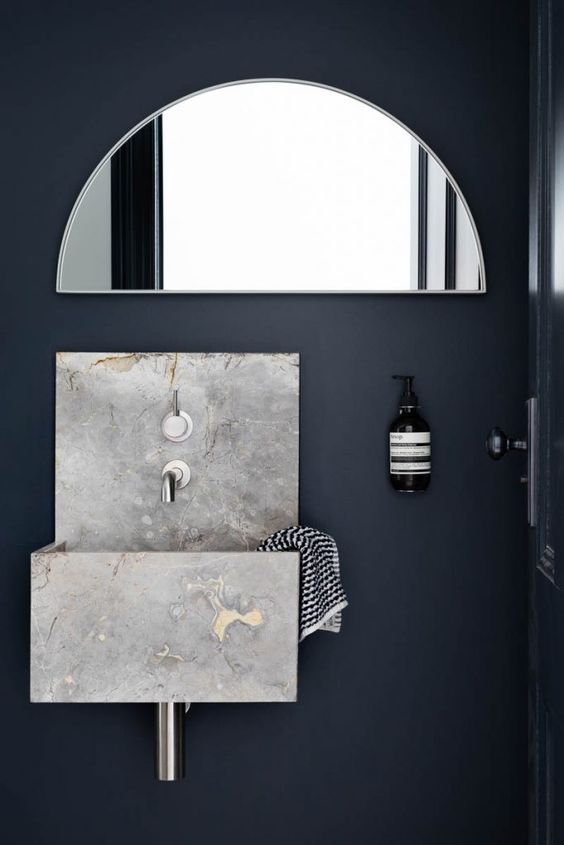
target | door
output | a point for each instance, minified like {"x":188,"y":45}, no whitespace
{"x":546,"y":603}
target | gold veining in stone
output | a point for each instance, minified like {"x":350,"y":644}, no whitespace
{"x":119,"y":363}
{"x":226,"y":616}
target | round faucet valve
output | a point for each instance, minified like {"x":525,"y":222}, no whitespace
{"x":177,"y":425}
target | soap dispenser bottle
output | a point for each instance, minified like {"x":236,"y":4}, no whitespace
{"x":410,"y":445}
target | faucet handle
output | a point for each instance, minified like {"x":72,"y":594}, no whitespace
{"x":177,"y":425}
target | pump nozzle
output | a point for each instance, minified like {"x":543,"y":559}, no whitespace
{"x":408,"y":398}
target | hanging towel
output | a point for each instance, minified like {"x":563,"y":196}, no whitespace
{"x":322,"y":596}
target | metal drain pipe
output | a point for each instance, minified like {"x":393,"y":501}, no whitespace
{"x":169,"y":741}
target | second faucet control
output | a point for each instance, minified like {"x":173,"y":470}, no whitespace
{"x":177,"y":425}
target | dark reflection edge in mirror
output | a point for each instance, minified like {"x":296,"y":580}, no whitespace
{"x":450,"y":237}
{"x":423,"y":166}
{"x":136,"y":210}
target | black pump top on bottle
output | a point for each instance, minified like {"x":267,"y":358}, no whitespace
{"x":408,"y":397}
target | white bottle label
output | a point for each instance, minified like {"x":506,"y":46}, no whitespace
{"x":410,"y":453}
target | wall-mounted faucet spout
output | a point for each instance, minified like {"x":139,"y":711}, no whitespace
{"x":175,"y":476}
{"x":168,"y":486}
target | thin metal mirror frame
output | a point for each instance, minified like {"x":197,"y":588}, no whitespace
{"x":155,"y":114}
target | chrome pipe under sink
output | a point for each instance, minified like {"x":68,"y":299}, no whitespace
{"x":169,"y":741}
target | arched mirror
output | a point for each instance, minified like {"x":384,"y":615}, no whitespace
{"x":271,"y":186}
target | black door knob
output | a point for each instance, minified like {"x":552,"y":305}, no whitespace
{"x":498,"y":443}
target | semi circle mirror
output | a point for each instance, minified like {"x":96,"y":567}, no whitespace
{"x":271,"y":186}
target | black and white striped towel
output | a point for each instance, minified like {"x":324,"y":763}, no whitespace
{"x":321,"y":592}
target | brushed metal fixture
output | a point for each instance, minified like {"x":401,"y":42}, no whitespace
{"x":177,"y":425}
{"x":169,"y":741}
{"x":532,"y":460}
{"x":498,"y":444}
{"x":175,"y":476}
{"x":168,"y":487}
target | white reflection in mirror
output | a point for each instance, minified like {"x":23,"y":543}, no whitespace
{"x":284,"y":187}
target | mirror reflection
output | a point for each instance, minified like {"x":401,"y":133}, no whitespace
{"x":271,"y":186}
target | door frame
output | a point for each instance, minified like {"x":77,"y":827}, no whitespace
{"x":541,"y":553}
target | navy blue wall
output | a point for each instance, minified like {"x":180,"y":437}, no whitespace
{"x":411,"y":725}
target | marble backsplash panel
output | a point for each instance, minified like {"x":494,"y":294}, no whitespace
{"x":243,"y":451}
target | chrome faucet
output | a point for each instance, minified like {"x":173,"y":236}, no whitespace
{"x":168,"y":487}
{"x":175,"y":475}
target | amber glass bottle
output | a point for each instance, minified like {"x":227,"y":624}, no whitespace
{"x":410,"y":445}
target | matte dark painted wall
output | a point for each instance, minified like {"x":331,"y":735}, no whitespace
{"x":411,"y":725}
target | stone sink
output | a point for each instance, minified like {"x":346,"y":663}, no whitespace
{"x":160,"y":626}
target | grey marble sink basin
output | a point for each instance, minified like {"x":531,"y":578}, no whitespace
{"x":163,"y":626}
